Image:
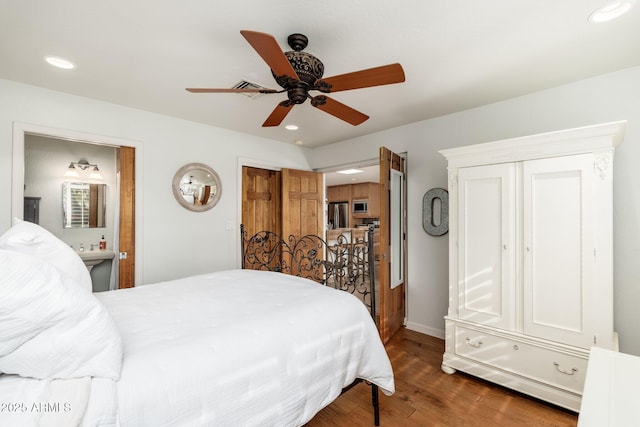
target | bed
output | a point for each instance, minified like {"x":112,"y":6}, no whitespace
{"x":231,"y":348}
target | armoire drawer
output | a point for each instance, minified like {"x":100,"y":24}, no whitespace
{"x":549,"y":366}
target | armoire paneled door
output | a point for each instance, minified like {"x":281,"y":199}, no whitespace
{"x":531,"y":259}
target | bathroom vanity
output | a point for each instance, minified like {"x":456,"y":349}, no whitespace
{"x":99,"y":265}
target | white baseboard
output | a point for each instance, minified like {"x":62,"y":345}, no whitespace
{"x":427,"y":330}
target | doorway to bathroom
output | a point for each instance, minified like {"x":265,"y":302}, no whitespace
{"x":41,"y":159}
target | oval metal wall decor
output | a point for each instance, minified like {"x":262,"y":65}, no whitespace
{"x":428,"y":218}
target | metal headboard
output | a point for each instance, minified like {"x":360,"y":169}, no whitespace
{"x":343,"y":264}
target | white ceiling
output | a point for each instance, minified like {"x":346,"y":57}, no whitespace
{"x":456,"y":54}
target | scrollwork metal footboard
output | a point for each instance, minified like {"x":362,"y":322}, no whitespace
{"x":343,"y":263}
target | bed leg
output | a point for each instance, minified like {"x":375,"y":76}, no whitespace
{"x":376,"y":404}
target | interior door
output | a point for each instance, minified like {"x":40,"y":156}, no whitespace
{"x":302,"y":203}
{"x":392,"y":300}
{"x":261,"y":205}
{"x":126,"y":266}
{"x":287,"y":202}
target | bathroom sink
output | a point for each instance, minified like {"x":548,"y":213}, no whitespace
{"x":92,"y":258}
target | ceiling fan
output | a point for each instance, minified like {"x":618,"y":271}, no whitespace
{"x":299,"y":72}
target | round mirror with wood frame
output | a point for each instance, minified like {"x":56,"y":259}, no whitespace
{"x":197,"y":187}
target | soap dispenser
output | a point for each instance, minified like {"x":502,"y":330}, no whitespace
{"x":103,"y":244}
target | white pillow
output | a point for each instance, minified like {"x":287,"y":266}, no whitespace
{"x":30,"y":238}
{"x":49,"y":327}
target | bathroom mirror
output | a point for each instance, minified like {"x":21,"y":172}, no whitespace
{"x":84,"y":205}
{"x":197,"y":187}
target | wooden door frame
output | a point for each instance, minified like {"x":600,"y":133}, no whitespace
{"x":21,"y":130}
{"x":372,"y":162}
{"x":385,"y":254}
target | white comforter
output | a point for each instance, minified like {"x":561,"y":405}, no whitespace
{"x":233,"y":348}
{"x":240,"y":348}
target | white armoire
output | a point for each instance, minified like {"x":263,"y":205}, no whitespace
{"x":531,"y":259}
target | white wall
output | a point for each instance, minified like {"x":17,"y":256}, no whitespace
{"x":177,"y":242}
{"x":174,"y":242}
{"x":602,"y":99}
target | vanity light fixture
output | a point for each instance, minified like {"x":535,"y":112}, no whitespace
{"x":83,"y":165}
{"x":95,"y":173}
{"x":72,"y":172}
{"x":611,"y":10}
{"x":60,"y":62}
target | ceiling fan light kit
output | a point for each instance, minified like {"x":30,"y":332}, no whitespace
{"x":299,"y":72}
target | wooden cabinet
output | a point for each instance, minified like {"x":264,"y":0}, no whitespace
{"x":373,"y":196}
{"x":531,"y":260}
{"x":360,"y":191}
{"x":339,"y":193}
{"x":369,"y":191}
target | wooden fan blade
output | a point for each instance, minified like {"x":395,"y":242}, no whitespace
{"x":378,"y":76}
{"x":209,"y":90}
{"x":341,"y":111}
{"x":269,"y":50}
{"x":278,"y":114}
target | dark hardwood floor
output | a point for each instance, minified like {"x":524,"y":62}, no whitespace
{"x":426,"y":396}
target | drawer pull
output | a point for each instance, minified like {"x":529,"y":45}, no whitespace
{"x":474,"y":345}
{"x":557,"y":365}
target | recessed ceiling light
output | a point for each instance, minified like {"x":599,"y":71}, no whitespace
{"x":611,"y":10}
{"x":350,"y":171}
{"x":299,"y":142}
{"x":60,"y":62}
{"x":291,"y":127}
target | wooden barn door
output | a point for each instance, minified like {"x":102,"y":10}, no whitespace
{"x":392,"y":299}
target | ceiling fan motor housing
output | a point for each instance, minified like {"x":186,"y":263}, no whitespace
{"x":307,"y":67}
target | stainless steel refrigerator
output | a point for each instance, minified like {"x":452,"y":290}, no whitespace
{"x":338,"y":215}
